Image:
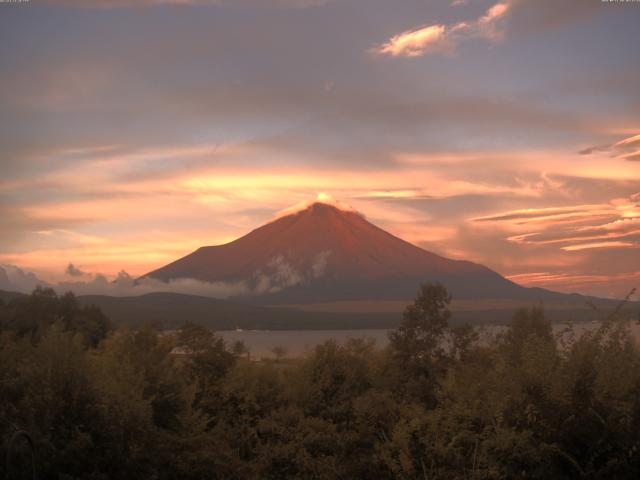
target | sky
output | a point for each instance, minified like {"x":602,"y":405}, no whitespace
{"x":503,"y":132}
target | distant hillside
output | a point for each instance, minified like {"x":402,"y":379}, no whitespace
{"x":8,"y":296}
{"x":170,"y":310}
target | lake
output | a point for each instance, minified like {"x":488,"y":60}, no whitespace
{"x":298,"y":342}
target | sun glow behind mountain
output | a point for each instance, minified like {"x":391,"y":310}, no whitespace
{"x":323,"y":198}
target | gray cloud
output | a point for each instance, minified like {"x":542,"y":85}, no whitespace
{"x":184,"y":3}
{"x":625,"y":149}
{"x":277,"y":275}
{"x":15,"y":279}
{"x":319,"y":264}
{"x":537,"y":16}
{"x":125,"y":285}
{"x":74,"y":271}
{"x":257,"y":80}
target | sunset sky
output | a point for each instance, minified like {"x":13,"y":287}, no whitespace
{"x":506,"y":133}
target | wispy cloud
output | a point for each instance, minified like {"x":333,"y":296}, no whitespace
{"x":440,"y":38}
{"x":504,"y":18}
{"x":618,"y":284}
{"x":553,"y":214}
{"x":625,"y":149}
{"x":588,"y":246}
{"x":574,"y":228}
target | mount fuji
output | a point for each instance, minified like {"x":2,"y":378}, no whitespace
{"x":326,"y":252}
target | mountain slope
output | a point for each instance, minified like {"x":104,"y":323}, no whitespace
{"x":324,"y":253}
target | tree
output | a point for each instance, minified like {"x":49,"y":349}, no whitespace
{"x":239,"y":348}
{"x":424,"y":324}
{"x":208,"y":362}
{"x":279,"y":352}
{"x":463,"y":338}
{"x":33,"y":316}
{"x":527,"y":326}
{"x":417,"y":345}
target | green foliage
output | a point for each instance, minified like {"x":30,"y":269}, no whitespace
{"x":438,"y":403}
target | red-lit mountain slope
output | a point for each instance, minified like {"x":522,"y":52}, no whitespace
{"x":324,"y":253}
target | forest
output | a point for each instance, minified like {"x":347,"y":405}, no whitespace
{"x":439,"y":402}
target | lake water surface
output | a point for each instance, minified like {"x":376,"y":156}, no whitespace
{"x":298,"y":342}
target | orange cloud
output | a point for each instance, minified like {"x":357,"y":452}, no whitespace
{"x":553,"y":214}
{"x":415,"y":43}
{"x":575,"y":228}
{"x":444,"y":38}
{"x":136,"y":209}
{"x":616,"y":285}
{"x":587,"y":246}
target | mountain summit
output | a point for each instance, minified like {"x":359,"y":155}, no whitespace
{"x":324,"y":252}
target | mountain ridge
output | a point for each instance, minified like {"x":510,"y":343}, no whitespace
{"x":168,"y":310}
{"x":324,"y":253}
